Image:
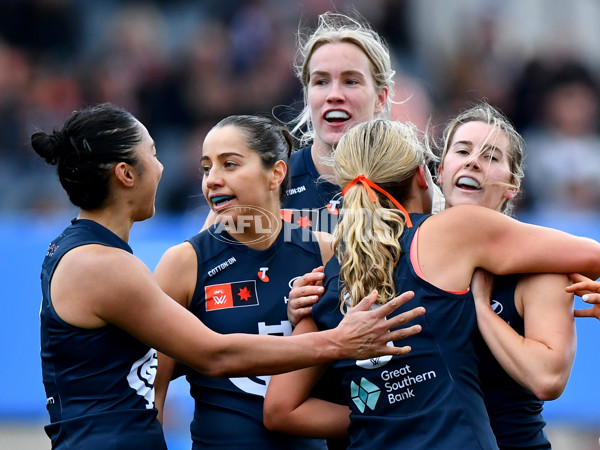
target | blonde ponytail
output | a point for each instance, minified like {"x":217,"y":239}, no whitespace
{"x":367,"y":238}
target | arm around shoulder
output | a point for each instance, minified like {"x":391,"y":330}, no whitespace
{"x":503,"y":245}
{"x":132,"y":300}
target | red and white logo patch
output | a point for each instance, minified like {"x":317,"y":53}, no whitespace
{"x":230,"y":295}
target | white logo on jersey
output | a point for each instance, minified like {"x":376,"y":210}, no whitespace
{"x":295,"y":190}
{"x":258,"y":385}
{"x":220,"y":299}
{"x":224,"y":265}
{"x":374,"y":363}
{"x":291,"y":282}
{"x":262,"y":274}
{"x":252,"y":385}
{"x":141,"y":376}
{"x":497,"y":306}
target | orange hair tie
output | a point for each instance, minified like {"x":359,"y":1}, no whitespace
{"x":368,"y":184}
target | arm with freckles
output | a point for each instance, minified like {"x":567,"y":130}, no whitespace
{"x":288,"y":406}
{"x":541,"y":360}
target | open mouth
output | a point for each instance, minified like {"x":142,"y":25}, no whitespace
{"x":468,"y":183}
{"x":336,"y":116}
{"x":221,"y":199}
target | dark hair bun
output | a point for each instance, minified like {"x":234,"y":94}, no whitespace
{"x":50,"y":146}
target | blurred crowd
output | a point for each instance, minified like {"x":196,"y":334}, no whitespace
{"x":182,"y":65}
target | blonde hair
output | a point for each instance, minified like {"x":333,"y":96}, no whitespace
{"x":366,"y":239}
{"x":484,"y":112}
{"x":334,"y":28}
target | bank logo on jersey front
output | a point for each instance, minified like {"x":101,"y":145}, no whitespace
{"x":230,"y":295}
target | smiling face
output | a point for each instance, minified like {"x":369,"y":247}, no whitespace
{"x":234,"y":175}
{"x":341,"y":91}
{"x":476,"y":168}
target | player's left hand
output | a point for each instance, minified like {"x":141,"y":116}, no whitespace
{"x":589,"y":291}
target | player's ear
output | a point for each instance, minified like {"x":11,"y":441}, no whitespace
{"x":421,"y":178}
{"x":439,"y":175}
{"x":511,"y":193}
{"x":277,"y":176}
{"x":125,"y":173}
{"x":381,"y":101}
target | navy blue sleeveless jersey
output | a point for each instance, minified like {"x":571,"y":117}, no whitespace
{"x":515,"y":412}
{"x":99,"y":382}
{"x":243,"y":290}
{"x":428,"y":399}
{"x":311,"y":202}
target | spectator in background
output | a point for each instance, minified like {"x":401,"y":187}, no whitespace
{"x":37,"y":37}
{"x":564,"y":142}
{"x":171,"y":74}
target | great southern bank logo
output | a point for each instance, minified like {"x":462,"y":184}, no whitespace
{"x":364,"y":394}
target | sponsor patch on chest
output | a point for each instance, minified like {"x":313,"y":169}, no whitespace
{"x":230,"y":295}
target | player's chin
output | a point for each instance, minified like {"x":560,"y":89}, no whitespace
{"x":146,"y":215}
